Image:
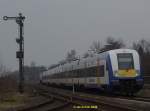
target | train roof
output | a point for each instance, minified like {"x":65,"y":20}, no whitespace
{"x":122,"y":50}
{"x":80,"y":63}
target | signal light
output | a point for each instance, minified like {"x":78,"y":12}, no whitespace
{"x":19,"y":54}
{"x":5,"y":18}
{"x":18,"y":40}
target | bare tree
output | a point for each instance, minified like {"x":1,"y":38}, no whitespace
{"x":112,"y":43}
{"x":96,"y":46}
{"x":62,"y":62}
{"x":71,"y":55}
{"x":33,"y":64}
{"x":143,"y":48}
{"x":86,"y":54}
{"x":2,"y":69}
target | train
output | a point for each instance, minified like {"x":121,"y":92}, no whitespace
{"x":112,"y":71}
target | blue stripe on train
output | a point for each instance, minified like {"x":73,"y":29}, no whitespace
{"x":110,"y":72}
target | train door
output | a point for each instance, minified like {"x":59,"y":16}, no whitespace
{"x":98,"y":72}
{"x":103,"y":72}
{"x":106,"y":73}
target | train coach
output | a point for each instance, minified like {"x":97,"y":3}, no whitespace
{"x":112,"y":71}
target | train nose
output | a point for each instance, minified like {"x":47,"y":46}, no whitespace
{"x":127,"y":85}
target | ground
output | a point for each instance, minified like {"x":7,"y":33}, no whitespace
{"x":145,"y":92}
{"x":10,"y":98}
{"x":13,"y":99}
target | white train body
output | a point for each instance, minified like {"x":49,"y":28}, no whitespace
{"x":109,"y":70}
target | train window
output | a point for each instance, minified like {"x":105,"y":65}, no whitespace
{"x":74,"y":73}
{"x":65,"y":74}
{"x":125,"y":61}
{"x":90,"y":72}
{"x":78,"y":62}
{"x":93,"y":71}
{"x":86,"y":72}
{"x":70,"y":74}
{"x":101,"y":71}
{"x":83,"y":72}
{"x":77,"y":72}
{"x":106,"y":66}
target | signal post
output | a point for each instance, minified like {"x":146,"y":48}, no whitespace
{"x":19,"y":54}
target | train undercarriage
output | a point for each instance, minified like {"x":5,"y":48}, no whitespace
{"x":127,"y":87}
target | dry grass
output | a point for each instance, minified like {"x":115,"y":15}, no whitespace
{"x":13,"y":100}
{"x":9,"y":97}
{"x":7,"y":84}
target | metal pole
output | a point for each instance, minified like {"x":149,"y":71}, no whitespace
{"x":21,"y":86}
{"x":73,"y":89}
{"x":19,"y":54}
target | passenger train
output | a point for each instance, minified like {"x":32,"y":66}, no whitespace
{"x":115,"y":70}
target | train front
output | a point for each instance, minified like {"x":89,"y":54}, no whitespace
{"x":124,"y":71}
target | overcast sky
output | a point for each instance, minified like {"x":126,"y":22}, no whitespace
{"x":53,"y":27}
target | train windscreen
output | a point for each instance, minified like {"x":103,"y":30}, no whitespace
{"x":125,"y":61}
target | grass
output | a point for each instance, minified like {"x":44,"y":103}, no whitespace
{"x":9,"y":97}
{"x":14,"y":99}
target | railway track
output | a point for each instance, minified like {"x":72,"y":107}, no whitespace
{"x":147,"y":79}
{"x":51,"y":105}
{"x":59,"y":102}
{"x":65,"y":100}
{"x":70,"y":102}
{"x":136,"y":98}
{"x":82,"y":100}
{"x":80,"y":103}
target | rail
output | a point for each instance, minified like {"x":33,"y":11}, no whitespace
{"x":147,"y":79}
{"x":118,"y":103}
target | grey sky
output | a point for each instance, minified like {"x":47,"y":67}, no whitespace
{"x":53,"y":27}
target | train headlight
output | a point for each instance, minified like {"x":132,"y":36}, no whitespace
{"x":116,"y":73}
{"x":137,"y":72}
